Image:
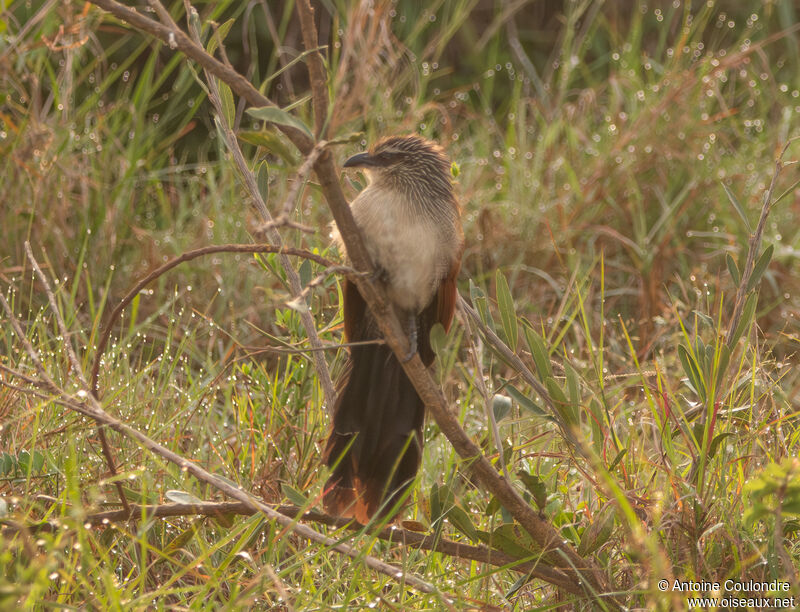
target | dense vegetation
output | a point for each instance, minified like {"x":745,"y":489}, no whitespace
{"x":612,"y":160}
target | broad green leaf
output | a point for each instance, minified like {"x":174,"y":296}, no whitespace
{"x":460,"y":520}
{"x":712,"y":450}
{"x":525,"y":402}
{"x":273,"y":114}
{"x":541,"y":358}
{"x":219,"y":35}
{"x":748,"y":312}
{"x":182,"y":497}
{"x":228,"y":105}
{"x":262,"y":179}
{"x":691,"y":370}
{"x":617,"y":459}
{"x":438,"y":338}
{"x":501,"y":406}
{"x":271,"y":141}
{"x":535,"y":485}
{"x":760,"y":267}
{"x":480,"y":303}
{"x":294,"y":495}
{"x":183,"y":538}
{"x":508,"y":314}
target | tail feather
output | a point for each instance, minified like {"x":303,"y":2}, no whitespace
{"x":376,"y":443}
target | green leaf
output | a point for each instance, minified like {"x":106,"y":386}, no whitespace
{"x":535,"y":485}
{"x":219,"y":35}
{"x":733,"y":270}
{"x":541,"y":357}
{"x":262,"y":179}
{"x":304,"y":272}
{"x":760,"y":267}
{"x":508,"y":314}
{"x":293,"y":495}
{"x":7,"y":464}
{"x":691,"y":370}
{"x":501,"y":406}
{"x":511,"y":540}
{"x":525,"y":402}
{"x":748,"y":312}
{"x":271,"y":141}
{"x":273,"y":114}
{"x":737,"y":205}
{"x":562,"y":404}
{"x":617,"y":459}
{"x":438,"y":338}
{"x":599,"y":531}
{"x":479,"y":302}
{"x":712,"y":450}
{"x":441,"y":500}
{"x":347,"y":138}
{"x":182,"y":497}
{"x":722,"y":365}
{"x":573,"y":387}
{"x":228,"y":105}
{"x":183,"y":538}
{"x":460,"y":520}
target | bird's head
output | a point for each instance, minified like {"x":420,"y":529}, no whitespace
{"x":411,"y":163}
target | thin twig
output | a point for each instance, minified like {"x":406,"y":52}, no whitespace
{"x":77,"y":369}
{"x":755,"y":247}
{"x":85,"y":403}
{"x":316,"y":67}
{"x":188,"y":256}
{"x":404,"y":537}
{"x":296,"y":287}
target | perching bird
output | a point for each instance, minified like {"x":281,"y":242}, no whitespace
{"x":410,"y":222}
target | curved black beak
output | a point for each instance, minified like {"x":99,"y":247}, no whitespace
{"x":362,"y":159}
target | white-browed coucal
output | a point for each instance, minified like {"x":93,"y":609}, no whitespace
{"x":410,"y":222}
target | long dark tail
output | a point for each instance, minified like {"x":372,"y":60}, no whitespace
{"x":376,"y":441}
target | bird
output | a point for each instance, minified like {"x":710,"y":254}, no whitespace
{"x":410,"y":222}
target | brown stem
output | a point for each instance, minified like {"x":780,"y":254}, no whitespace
{"x":754,"y":247}
{"x":403,"y":537}
{"x":316,"y":68}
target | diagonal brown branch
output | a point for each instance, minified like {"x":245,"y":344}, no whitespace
{"x":557,"y":552}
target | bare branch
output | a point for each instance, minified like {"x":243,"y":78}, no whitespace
{"x":188,"y":256}
{"x":296,"y":287}
{"x":755,"y":247}
{"x":403,"y":537}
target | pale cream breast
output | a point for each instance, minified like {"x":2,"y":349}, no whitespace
{"x":414,"y":250}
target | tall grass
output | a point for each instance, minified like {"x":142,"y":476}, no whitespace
{"x":592,"y":173}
